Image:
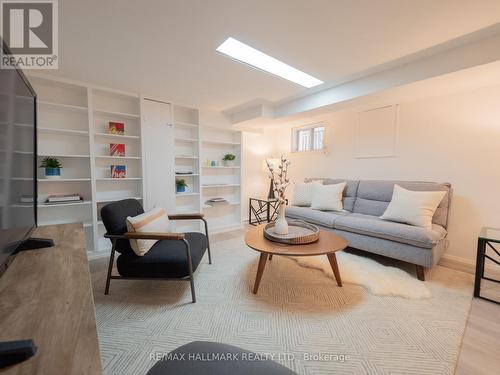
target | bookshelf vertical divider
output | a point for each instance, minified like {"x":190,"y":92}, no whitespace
{"x":95,"y":229}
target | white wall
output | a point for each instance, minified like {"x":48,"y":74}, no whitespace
{"x":256,"y":148}
{"x":453,"y":138}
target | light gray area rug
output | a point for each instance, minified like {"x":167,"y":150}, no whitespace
{"x":298,"y":314}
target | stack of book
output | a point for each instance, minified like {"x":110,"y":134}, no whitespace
{"x":216,"y":202}
{"x":63,"y":198}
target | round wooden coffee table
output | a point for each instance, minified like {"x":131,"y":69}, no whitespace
{"x":327,"y":244}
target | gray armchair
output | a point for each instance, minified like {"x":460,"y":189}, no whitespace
{"x":175,"y":256}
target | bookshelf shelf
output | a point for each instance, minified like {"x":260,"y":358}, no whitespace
{"x":189,"y":140}
{"x":116,"y":114}
{"x":186,"y":194}
{"x":119,"y":179}
{"x":44,"y":180}
{"x":83,"y":133}
{"x":43,"y":205}
{"x":62,"y":106}
{"x":221,"y":167}
{"x":186,"y":125}
{"x":212,"y":142}
{"x":219,"y":186}
{"x":63,"y":155}
{"x":108,"y":200}
{"x":206,"y":206}
{"x":117,"y":136}
{"x":118,"y":157}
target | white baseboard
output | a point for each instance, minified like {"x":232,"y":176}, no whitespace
{"x":467,"y":265}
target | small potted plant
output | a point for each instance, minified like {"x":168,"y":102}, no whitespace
{"x":228,"y":160}
{"x":52,"y":167}
{"x":180,"y":185}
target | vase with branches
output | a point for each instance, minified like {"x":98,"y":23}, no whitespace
{"x":279,"y":177}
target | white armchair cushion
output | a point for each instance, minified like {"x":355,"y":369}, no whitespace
{"x":155,"y":220}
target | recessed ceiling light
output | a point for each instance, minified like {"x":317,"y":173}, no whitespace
{"x":244,"y":53}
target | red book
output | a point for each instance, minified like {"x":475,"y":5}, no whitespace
{"x":117,"y":149}
{"x":116,"y":128}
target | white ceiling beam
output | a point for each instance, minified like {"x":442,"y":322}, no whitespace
{"x":475,"y":49}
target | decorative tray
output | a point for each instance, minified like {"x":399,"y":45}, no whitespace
{"x":299,"y":233}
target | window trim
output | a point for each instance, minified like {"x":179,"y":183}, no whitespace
{"x":310,"y":127}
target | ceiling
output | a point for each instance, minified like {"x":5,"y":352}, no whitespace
{"x":166,"y":49}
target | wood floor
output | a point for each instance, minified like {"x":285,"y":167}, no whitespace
{"x":480,"y":351}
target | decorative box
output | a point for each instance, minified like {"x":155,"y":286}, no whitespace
{"x":116,"y":128}
{"x":118,"y":171}
{"x":117,"y":149}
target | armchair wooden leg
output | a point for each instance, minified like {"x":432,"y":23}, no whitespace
{"x":420,"y":273}
{"x":193,"y":294}
{"x":208,"y":242}
{"x":110,"y":268}
{"x":190,"y":268}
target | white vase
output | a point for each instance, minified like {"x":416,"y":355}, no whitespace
{"x":281,"y":226}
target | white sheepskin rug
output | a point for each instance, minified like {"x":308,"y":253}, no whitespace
{"x":376,"y":278}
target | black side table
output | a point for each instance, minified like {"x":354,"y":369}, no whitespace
{"x":262,"y":210}
{"x":487,"y":236}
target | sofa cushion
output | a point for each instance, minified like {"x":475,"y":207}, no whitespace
{"x":303,"y":193}
{"x":373,"y":197}
{"x":349,"y":192}
{"x":403,"y":233}
{"x":327,"y":197}
{"x":324,"y":218}
{"x":413,"y":207}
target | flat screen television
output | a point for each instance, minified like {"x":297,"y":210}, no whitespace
{"x":18,"y":184}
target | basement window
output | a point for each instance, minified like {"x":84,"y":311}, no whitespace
{"x":310,"y":138}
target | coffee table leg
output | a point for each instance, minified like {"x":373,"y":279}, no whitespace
{"x":333,"y":262}
{"x":270,"y":256}
{"x":260,"y":271}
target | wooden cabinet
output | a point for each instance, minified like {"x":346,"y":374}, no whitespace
{"x":46,"y":295}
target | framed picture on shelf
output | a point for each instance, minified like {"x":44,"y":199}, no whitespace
{"x":117,"y":149}
{"x":116,"y":128}
{"x":118,"y":171}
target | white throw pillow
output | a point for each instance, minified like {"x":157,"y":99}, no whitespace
{"x":303,"y":192}
{"x":155,"y":220}
{"x":413,"y":207}
{"x":328,"y":197}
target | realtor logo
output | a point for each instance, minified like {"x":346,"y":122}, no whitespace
{"x":30,"y":30}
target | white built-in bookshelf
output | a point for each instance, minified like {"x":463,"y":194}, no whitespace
{"x":73,"y":126}
{"x":73,"y":122}
{"x":197,"y":147}
{"x":221,"y":180}
{"x":187,"y":163}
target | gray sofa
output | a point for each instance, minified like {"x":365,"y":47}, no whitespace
{"x":364,"y":201}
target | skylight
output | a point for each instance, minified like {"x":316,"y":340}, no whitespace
{"x":244,"y":53}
